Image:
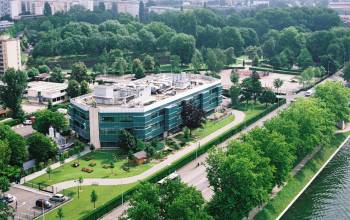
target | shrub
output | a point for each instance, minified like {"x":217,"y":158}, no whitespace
{"x":65,"y":154}
{"x":126,"y":167}
{"x":87,"y":170}
{"x":71,"y":152}
{"x":92,"y":164}
{"x":87,"y":158}
{"x":76,"y":164}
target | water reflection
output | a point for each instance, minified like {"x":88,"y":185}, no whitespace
{"x":328,"y":197}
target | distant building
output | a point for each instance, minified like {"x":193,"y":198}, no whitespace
{"x":162,"y":9}
{"x":36,"y":7}
{"x":340,"y":7}
{"x":148,"y":108}
{"x":4,"y":7}
{"x":5,"y":24}
{"x":40,"y":92}
{"x":10,"y":53}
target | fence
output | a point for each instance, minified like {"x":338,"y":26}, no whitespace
{"x":41,"y":186}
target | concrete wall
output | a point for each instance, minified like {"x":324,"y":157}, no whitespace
{"x":94,"y":127}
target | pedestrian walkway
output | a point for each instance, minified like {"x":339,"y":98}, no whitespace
{"x":239,"y":118}
{"x":53,"y":166}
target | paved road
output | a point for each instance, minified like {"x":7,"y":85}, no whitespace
{"x":239,"y":117}
{"x":196,"y":176}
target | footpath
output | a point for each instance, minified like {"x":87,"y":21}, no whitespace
{"x":239,"y":118}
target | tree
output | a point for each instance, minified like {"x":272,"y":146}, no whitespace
{"x":251,"y":87}
{"x":306,"y":76}
{"x":49,"y":171}
{"x":14,"y":83}
{"x":60,"y":213}
{"x":235,"y":91}
{"x":73,"y":89}
{"x":120,"y":66}
{"x":175,"y":63}
{"x":197,"y":61}
{"x":240,"y":178}
{"x":346,"y":72}
{"x":336,"y":98}
{"x":79,"y":72}
{"x":45,"y":119}
{"x":229,"y":55}
{"x":84,"y":87}
{"x":32,"y":72}
{"x":230,"y":37}
{"x":183,"y":45}
{"x":171,"y":200}
{"x":137,"y":69}
{"x":127,"y":141}
{"x":255,"y":61}
{"x":234,"y":77}
{"x":47,"y":9}
{"x":17,"y":145}
{"x":267,"y":96}
{"x":41,"y":147}
{"x":62,"y":159}
{"x":215,"y":60}
{"x":277,"y":83}
{"x":4,"y":184}
{"x":6,"y":210}
{"x":44,"y":69}
{"x":148,"y":63}
{"x":57,"y":75}
{"x":5,"y":154}
{"x":304,"y":59}
{"x":192,"y":116}
{"x":93,"y":198}
{"x":274,"y":146}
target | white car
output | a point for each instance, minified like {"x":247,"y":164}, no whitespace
{"x":28,"y":122}
{"x":309,"y":93}
{"x":58,"y":198}
{"x":8,"y":198}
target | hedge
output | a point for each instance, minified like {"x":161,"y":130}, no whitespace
{"x":291,"y":72}
{"x":11,"y":122}
{"x":113,"y":203}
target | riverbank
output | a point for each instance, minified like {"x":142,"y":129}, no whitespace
{"x":275,"y":208}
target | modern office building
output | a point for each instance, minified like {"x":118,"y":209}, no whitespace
{"x":40,"y":92}
{"x":4,"y":7}
{"x":10,"y":53}
{"x":148,"y":108}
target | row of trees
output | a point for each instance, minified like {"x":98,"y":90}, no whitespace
{"x":243,"y":175}
{"x":293,"y":39}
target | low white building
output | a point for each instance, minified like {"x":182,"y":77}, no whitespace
{"x":42,"y":92}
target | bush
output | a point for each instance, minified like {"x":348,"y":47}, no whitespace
{"x":75,"y":164}
{"x":107,"y":166}
{"x":87,"y":170}
{"x":92,"y":164}
{"x":126,"y":167}
{"x":65,"y":154}
{"x":87,"y":158}
{"x":71,"y":152}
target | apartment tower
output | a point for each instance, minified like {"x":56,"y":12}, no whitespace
{"x":10,"y":53}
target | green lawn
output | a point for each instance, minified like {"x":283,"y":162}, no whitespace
{"x":251,"y":109}
{"x":67,"y":172}
{"x":211,"y":126}
{"x":78,"y":208}
{"x":275,"y":206}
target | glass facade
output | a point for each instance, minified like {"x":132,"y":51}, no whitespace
{"x":146,"y":125}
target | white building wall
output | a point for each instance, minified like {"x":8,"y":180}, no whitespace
{"x":94,"y":127}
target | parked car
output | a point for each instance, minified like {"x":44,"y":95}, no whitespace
{"x":27,"y":122}
{"x":8,"y":198}
{"x":58,"y":198}
{"x":42,"y":203}
{"x":309,"y":93}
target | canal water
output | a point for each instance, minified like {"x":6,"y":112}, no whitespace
{"x":328,"y":196}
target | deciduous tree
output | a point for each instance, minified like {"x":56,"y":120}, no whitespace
{"x":192,"y":116}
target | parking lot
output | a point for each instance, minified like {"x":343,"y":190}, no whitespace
{"x":25,"y":203}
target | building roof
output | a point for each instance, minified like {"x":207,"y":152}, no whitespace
{"x":144,"y":94}
{"x":140,"y":155}
{"x":46,"y":86}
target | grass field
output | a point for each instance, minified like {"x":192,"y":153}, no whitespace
{"x":67,"y":172}
{"x":211,"y":126}
{"x":275,"y":206}
{"x":78,"y":208}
